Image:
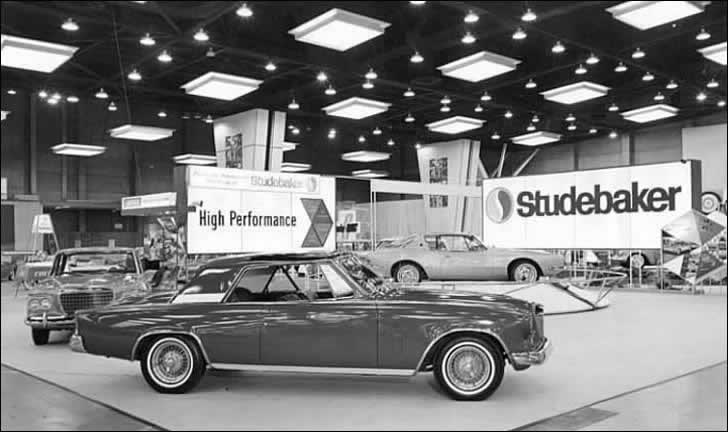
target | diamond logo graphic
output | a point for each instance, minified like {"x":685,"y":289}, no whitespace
{"x":321,"y":222}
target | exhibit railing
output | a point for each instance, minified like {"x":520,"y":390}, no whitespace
{"x":604,"y":281}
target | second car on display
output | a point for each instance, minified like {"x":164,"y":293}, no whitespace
{"x":454,"y":256}
{"x":315,"y":313}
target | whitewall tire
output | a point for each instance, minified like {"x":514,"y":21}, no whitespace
{"x":469,"y":368}
{"x":408,"y":273}
{"x":525,"y":272}
{"x":172,"y":364}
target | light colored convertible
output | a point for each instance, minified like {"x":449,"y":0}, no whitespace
{"x":457,"y":256}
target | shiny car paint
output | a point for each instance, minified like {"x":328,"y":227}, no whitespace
{"x":491,"y":264}
{"x":394,"y":331}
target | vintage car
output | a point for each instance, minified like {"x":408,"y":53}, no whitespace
{"x":455,"y":256}
{"x":81,"y":278}
{"x":315,"y":312}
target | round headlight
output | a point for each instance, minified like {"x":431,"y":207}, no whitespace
{"x":33,"y":304}
{"x":45,"y":304}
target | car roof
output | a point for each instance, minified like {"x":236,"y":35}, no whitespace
{"x":268,"y":257}
{"x":72,"y":251}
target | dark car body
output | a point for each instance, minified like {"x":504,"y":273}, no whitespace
{"x":369,"y":330}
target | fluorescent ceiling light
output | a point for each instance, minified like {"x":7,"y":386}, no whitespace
{"x":288,"y":146}
{"x":140,"y":133}
{"x":575,"y":93}
{"x":647,"y":14}
{"x":365,"y":156}
{"x":33,"y":54}
{"x":455,"y":125}
{"x":195,"y":159}
{"x":368,"y":173}
{"x":356,"y":108}
{"x":294,"y":167}
{"x":78,"y":149}
{"x":536,"y":138}
{"x":717,"y":53}
{"x":4,"y":115}
{"x":339,"y":30}
{"x":650,"y":113}
{"x":479,"y":66}
{"x":221,"y":86}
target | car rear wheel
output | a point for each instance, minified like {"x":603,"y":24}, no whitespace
{"x":408,"y":273}
{"x":40,"y":336}
{"x":172,"y":364}
{"x":524,"y":271}
{"x":468,"y":368}
{"x":637,"y":261}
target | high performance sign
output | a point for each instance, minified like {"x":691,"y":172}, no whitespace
{"x":614,"y":208}
{"x":236,"y":211}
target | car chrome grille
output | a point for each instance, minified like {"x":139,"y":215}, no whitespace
{"x":73,"y":301}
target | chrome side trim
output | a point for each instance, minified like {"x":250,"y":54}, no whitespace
{"x":168,"y":332}
{"x":313,"y":369}
{"x":461,"y":330}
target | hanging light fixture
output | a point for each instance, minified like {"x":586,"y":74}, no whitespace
{"x":69,"y":25}
{"x":592,"y":59}
{"x":11,"y":91}
{"x":164,"y":57}
{"x":330,"y":90}
{"x":445,"y":108}
{"x":648,"y":77}
{"x":701,"y":96}
{"x":659,"y":97}
{"x":208,"y":119}
{"x":134,"y":75}
{"x":42,"y":94}
{"x":162,"y":114}
{"x":478,"y":108}
{"x":486,"y":97}
{"x":558,"y":48}
{"x":371,"y":75}
{"x":418,"y":145}
{"x":535,"y":119}
{"x":332,"y":133}
{"x":295,"y":131}
{"x":712,"y":84}
{"x":409,"y":93}
{"x":244,"y":11}
{"x":471,"y":17}
{"x":368,"y":85}
{"x":72,"y":99}
{"x":528,"y":16}
{"x":721,"y":103}
{"x":468,"y":38}
{"x":621,"y":67}
{"x":201,"y":36}
{"x":321,"y":76}
{"x":147,"y":40}
{"x":210,"y":52}
{"x":362,"y":139}
{"x":112,"y":106}
{"x":101,"y":94}
{"x":390,"y":142}
{"x":417,"y":57}
{"x":531,"y":127}
{"x":409,"y":118}
{"x":581,"y":70}
{"x":519,"y":34}
{"x":613,"y":107}
{"x":672,"y":85}
{"x":495,"y":136}
{"x":52,"y":101}
{"x":638,"y":54}
{"x":592,"y":131}
{"x":570,"y":118}
{"x":613,"y":134}
{"x":508,"y":114}
{"x":293,"y":105}
{"x":703,"y":35}
{"x":270,"y":66}
{"x":445,"y":100}
{"x":531,"y":84}
{"x":571,"y":127}
{"x":377,"y":131}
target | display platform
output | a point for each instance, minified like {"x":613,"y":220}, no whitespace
{"x":597,"y":356}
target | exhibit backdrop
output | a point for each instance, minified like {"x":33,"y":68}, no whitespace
{"x":235,"y":211}
{"x":613,"y":208}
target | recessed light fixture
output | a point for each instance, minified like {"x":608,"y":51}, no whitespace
{"x":508,"y":114}
{"x":531,"y":127}
{"x":659,"y":97}
{"x":295,"y":167}
{"x":370,"y":173}
{"x":592,"y":59}
{"x":221,"y":86}
{"x":558,"y":48}
{"x":703,"y":35}
{"x":418,"y":3}
{"x":478,"y":108}
{"x":716,"y":53}
{"x":140,"y":133}
{"x":528,"y":16}
{"x":409,"y":93}
{"x":650,"y":113}
{"x":445,"y":108}
{"x":72,"y":99}
{"x":371,"y":75}
{"x":377,"y":131}
{"x":244,"y":11}
{"x":42,"y":94}
{"x":536,"y":138}
{"x":322,"y":77}
{"x":519,"y":34}
{"x":293,"y":105}
{"x":638,"y":54}
{"x":479,"y":66}
{"x":339,"y":30}
{"x":101,"y":94}
{"x":195,"y":159}
{"x":31,"y":54}
{"x":368,"y":85}
{"x":455,"y":125}
{"x":356,"y":108}
{"x":580,"y":70}
{"x":69,"y":25}
{"x":390,"y":142}
{"x":648,"y":77}
{"x":712,"y":84}
{"x":672,"y":85}
{"x":330,"y":90}
{"x":162,"y":114}
{"x":164,"y":57}
{"x":417,"y":57}
{"x":362,"y":139}
{"x":409,"y":119}
{"x":495,"y":136}
{"x":571,"y":127}
{"x":112,"y":106}
{"x":365,"y":156}
{"x":575,"y":93}
{"x":270,"y":66}
{"x":531,"y":84}
{"x":486,"y":97}
{"x":570,"y":118}
{"x":701,"y":96}
{"x":647,"y":14}
{"x":445,"y":100}
{"x":468,"y":38}
{"x":471,"y":17}
{"x":613,"y":107}
{"x":201,"y":36}
{"x":535,"y":119}
{"x":82,"y":150}
{"x":621,"y":67}
{"x":147,"y":40}
{"x":592,"y":131}
{"x":134,"y":75}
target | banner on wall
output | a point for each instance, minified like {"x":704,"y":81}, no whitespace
{"x":234,"y":211}
{"x":613,"y":208}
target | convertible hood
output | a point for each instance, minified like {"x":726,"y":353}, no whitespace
{"x":450,"y":296}
{"x":91,"y":280}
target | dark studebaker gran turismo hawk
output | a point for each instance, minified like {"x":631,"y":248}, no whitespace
{"x":315,"y":313}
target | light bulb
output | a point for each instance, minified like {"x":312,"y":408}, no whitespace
{"x":295,"y":131}
{"x":721,"y":103}
{"x":42,"y":94}
{"x":445,"y":108}
{"x":361,"y":138}
{"x":134,"y":75}
{"x":390,"y":142}
{"x":210,"y":52}
{"x":208,"y":119}
{"x":52,"y":101}
{"x":11,"y":91}
{"x":571,"y":127}
{"x":495,"y":136}
{"x":613,"y":134}
{"x":418,"y":146}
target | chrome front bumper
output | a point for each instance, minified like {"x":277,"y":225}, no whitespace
{"x":536,"y":357}
{"x":51,"y":322}
{"x":76,"y":343}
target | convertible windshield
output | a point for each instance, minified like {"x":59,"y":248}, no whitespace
{"x":397,"y":242}
{"x":113,"y":262}
{"x":359,"y":270}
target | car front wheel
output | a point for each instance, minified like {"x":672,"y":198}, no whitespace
{"x":40,"y":336}
{"x":172,"y":364}
{"x":468,"y":368}
{"x":408,"y":273}
{"x":524,"y":271}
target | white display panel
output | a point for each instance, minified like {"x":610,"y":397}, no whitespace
{"x":614,"y":208}
{"x":237,"y":211}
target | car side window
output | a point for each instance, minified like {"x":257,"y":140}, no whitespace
{"x":452,"y":243}
{"x":251,"y":285}
{"x":431,"y":242}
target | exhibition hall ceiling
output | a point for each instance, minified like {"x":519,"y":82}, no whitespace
{"x":568,"y":68}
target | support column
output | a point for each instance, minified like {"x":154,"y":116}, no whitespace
{"x":33,"y":146}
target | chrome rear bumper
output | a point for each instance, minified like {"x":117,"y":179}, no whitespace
{"x":536,"y":357}
{"x":76,"y":343}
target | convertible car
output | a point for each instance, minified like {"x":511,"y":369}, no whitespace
{"x":81,"y":278}
{"x":451,"y":256}
{"x":315,"y":313}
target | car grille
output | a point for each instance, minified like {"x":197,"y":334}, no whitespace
{"x":73,"y":301}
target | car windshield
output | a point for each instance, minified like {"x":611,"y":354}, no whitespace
{"x":359,"y":270}
{"x":98,"y":262}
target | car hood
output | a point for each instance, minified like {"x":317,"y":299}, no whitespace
{"x":90,"y":280}
{"x":453,"y":297}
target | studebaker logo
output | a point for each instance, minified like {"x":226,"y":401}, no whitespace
{"x":499,"y":205}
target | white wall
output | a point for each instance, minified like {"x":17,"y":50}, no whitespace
{"x":708,"y":144}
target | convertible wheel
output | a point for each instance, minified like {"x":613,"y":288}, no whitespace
{"x":408,"y":273}
{"x":172,"y":365}
{"x":40,"y":336}
{"x":524,"y":272}
{"x":468,"y":368}
{"x":637,"y":261}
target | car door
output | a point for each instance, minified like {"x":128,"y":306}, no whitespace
{"x":330,"y":327}
{"x":459,"y":262}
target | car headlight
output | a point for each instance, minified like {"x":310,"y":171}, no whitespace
{"x":45,"y":304}
{"x":33,"y":304}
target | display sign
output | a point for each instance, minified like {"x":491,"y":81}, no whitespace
{"x":148,"y":204}
{"x":613,"y":208}
{"x":42,"y":224}
{"x":235,"y":211}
